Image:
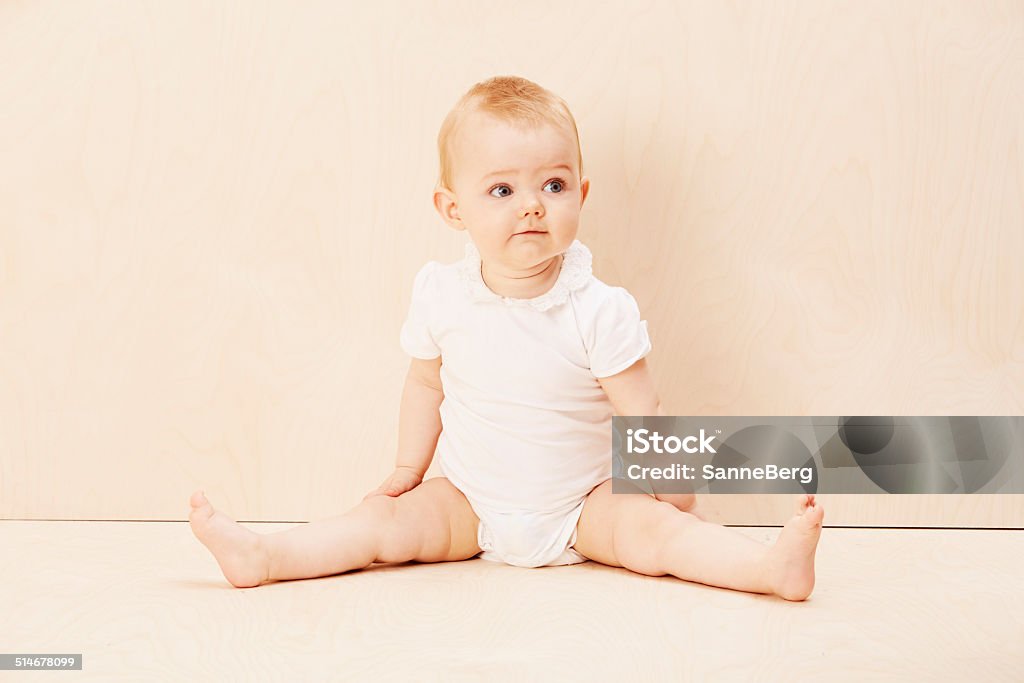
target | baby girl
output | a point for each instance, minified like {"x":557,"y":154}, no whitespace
{"x":520,"y":357}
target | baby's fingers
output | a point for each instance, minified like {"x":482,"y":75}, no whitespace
{"x":379,"y":491}
{"x":385,"y":490}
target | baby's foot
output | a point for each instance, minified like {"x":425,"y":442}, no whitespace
{"x":241,"y":553}
{"x":791,"y":559}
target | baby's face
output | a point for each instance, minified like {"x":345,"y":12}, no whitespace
{"x":516,"y":190}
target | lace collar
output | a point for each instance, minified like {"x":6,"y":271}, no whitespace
{"x":576,"y":271}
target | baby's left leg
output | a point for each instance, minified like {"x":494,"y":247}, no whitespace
{"x":652,"y":537}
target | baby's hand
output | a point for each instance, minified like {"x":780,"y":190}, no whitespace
{"x":401,"y":480}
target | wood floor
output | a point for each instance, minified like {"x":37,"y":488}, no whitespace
{"x":145,"y":601}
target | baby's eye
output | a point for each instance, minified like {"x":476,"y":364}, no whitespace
{"x":559,"y":185}
{"x":501,"y":187}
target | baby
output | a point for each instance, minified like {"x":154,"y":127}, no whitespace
{"x":520,"y":357}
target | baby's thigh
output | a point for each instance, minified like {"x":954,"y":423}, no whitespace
{"x":433,"y":523}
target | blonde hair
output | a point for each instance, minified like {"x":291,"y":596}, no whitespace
{"x":511,"y":99}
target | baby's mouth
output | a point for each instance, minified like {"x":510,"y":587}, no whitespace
{"x":531,"y":232}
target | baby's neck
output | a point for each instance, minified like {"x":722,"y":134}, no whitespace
{"x":523,"y":285}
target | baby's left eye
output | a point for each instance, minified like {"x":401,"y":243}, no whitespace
{"x":559,"y":185}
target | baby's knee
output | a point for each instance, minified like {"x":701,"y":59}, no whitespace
{"x":377,"y":518}
{"x":645,"y":531}
{"x":397,"y":528}
{"x":681,"y":501}
{"x":377,"y":510}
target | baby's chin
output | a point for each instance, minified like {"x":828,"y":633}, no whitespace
{"x":530,"y":249}
{"x":522,"y":260}
{"x":539,"y":241}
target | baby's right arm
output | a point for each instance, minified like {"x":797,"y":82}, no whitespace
{"x":419,"y":426}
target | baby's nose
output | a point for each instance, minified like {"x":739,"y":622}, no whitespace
{"x":532,"y":206}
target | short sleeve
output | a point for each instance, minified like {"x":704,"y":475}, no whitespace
{"x":618,"y":337}
{"x":416,"y":338}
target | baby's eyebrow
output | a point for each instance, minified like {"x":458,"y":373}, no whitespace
{"x":567,"y":167}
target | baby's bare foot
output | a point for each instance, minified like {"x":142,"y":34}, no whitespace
{"x":241,"y":553}
{"x":791,"y":559}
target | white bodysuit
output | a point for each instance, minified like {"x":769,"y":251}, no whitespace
{"x":526,"y":427}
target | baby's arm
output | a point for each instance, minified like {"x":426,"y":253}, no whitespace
{"x":632,"y":392}
{"x":419,"y":426}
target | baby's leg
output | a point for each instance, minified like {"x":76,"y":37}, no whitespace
{"x":431,"y":523}
{"x":652,"y":537}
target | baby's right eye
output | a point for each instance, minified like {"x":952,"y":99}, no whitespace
{"x":500,"y":187}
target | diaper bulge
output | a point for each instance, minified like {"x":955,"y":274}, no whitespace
{"x":529,"y":538}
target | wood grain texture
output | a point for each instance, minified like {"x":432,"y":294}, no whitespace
{"x":211,"y":215}
{"x":144,"y":601}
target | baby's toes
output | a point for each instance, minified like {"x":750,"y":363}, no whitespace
{"x":803,"y":502}
{"x":201,"y":508}
{"x":810,"y":511}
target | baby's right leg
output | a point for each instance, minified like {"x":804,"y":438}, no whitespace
{"x":431,"y":523}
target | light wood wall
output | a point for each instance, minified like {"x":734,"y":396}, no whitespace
{"x":211,"y":214}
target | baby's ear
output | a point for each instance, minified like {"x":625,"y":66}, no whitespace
{"x":447,"y":206}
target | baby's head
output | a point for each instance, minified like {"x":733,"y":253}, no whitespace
{"x":511,"y":172}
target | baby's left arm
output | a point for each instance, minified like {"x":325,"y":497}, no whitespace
{"x":632,"y":392}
